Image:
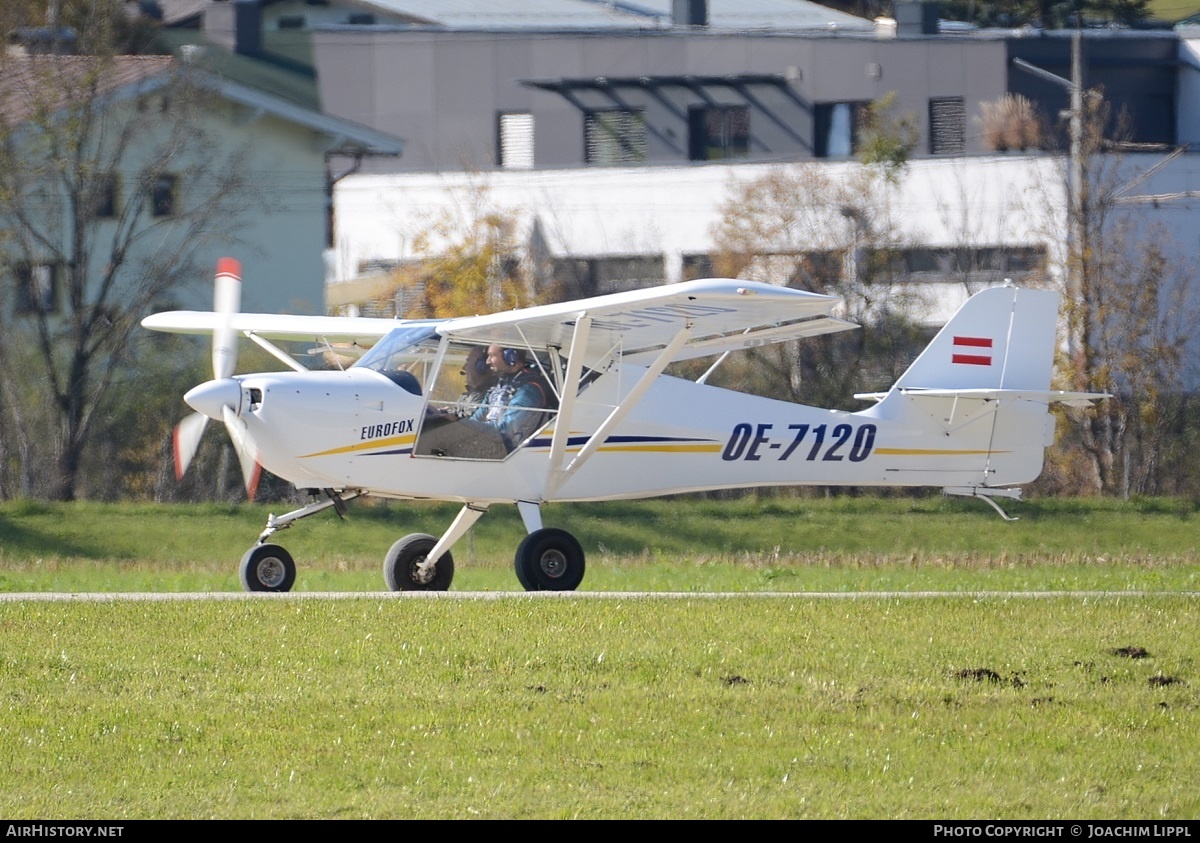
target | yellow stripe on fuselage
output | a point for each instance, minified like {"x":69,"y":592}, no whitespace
{"x":665,"y":448}
{"x":390,"y":442}
{"x":932,"y":452}
{"x":661,"y":449}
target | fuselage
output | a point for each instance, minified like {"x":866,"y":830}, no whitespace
{"x":358,"y":430}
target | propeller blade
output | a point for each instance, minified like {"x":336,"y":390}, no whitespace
{"x":227,"y":299}
{"x":219,"y":397}
{"x":246,"y":452}
{"x":187,"y":440}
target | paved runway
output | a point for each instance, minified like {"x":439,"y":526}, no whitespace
{"x":114,"y":597}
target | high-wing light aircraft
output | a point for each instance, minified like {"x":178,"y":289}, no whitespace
{"x":970,"y":414}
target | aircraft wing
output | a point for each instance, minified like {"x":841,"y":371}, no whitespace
{"x":363,"y":330}
{"x":723,"y":313}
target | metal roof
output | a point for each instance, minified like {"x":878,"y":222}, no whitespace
{"x":516,"y":14}
{"x":491,"y":15}
{"x":345,"y":137}
{"x":131,"y":75}
{"x":763,"y":14}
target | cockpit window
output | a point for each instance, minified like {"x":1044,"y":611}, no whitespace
{"x":486,"y":402}
{"x":405,"y":355}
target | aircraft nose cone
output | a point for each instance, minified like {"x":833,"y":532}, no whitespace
{"x":208,"y":398}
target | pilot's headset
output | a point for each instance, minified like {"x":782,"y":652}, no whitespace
{"x":481,"y":365}
{"x":512,"y":356}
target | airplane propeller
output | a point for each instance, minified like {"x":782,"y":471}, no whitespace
{"x":220,"y":397}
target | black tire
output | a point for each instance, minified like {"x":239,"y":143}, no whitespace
{"x":550,"y":560}
{"x":400,"y":570}
{"x":267,"y":567}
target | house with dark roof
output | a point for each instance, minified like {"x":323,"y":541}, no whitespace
{"x":278,"y":223}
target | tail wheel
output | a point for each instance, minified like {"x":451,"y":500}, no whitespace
{"x":403,"y":568}
{"x":550,"y":560}
{"x":267,"y":567}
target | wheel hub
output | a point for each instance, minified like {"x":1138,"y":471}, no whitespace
{"x":553,"y":563}
{"x":271,"y":572}
{"x":422,"y":571}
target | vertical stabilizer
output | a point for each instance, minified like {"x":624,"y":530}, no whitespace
{"x":975,"y":403}
{"x":1001,"y":338}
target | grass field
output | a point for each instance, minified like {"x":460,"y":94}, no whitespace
{"x":746,"y":544}
{"x":1172,"y":10}
{"x":610,"y":705}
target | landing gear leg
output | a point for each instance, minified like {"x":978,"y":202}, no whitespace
{"x":281,"y":522}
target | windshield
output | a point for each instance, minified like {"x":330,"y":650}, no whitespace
{"x":405,"y":355}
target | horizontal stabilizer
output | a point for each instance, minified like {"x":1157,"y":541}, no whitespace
{"x":1049,"y":396}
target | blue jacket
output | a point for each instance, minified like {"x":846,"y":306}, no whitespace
{"x":516,"y":406}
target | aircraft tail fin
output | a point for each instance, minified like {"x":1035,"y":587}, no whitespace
{"x":1001,"y":338}
{"x":983,"y":387}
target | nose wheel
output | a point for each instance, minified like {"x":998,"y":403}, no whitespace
{"x":267,"y":567}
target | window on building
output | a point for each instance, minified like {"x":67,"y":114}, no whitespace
{"x":597,"y":276}
{"x":615,"y":137}
{"x":164,"y":195}
{"x":697,"y":266}
{"x":984,"y":264}
{"x":718,"y":132}
{"x":836,"y":128}
{"x":516,"y":141}
{"x":102,"y":196}
{"x":947,"y":126}
{"x":37,"y":288}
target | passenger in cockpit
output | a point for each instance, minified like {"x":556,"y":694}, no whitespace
{"x":480,"y":379}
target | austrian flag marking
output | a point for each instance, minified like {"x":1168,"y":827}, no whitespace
{"x":973,"y":351}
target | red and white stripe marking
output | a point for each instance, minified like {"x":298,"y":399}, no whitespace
{"x":972,"y":351}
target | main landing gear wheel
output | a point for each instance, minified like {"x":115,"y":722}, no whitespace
{"x":402,"y":566}
{"x":267,"y":567}
{"x":550,"y":560}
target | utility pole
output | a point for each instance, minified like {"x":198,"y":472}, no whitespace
{"x":1077,"y":191}
{"x":1077,"y":180}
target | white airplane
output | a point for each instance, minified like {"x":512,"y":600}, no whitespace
{"x":970,"y":415}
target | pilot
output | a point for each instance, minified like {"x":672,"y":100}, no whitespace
{"x":515,"y":406}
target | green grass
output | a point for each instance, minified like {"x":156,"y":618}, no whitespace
{"x":749,"y":544}
{"x":1172,"y":10}
{"x":524,"y":707}
{"x":956,"y":705}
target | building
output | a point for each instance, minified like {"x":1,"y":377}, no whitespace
{"x":613,"y":131}
{"x":157,"y":179}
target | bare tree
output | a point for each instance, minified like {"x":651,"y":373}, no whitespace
{"x":801,"y":226}
{"x":471,"y":261}
{"x":1129,"y":308}
{"x":1011,"y":122}
{"x":111,"y":179}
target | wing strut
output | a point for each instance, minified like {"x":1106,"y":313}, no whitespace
{"x":557,"y":477}
{"x":566,"y":407}
{"x":276,"y":352}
